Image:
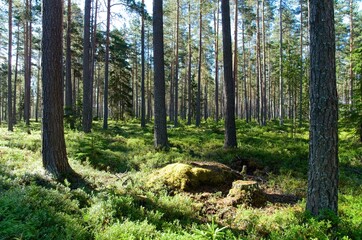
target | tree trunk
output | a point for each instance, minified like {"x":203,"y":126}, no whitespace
{"x":16,"y":73}
{"x":106,"y":68}
{"x":263,"y":70}
{"x":235,"y":67}
{"x":143,"y":100}
{"x":176,"y":63}
{"x":351,"y":74}
{"x":87,"y":81}
{"x":301,"y":67}
{"x":246,"y":105}
{"x":69,"y":111}
{"x":281,"y":91}
{"x":37,"y":100}
{"x":93,"y":47}
{"x":160,"y":131}
{"x":10,"y":93}
{"x":54,"y":150}
{"x":323,"y":148}
{"x":229,"y":86}
{"x":258,"y":65}
{"x":216,"y":26}
{"x":198,"y":101}
{"x":189,"y":94}
{"x":27,"y":59}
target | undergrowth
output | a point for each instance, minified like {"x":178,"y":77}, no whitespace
{"x":116,"y":204}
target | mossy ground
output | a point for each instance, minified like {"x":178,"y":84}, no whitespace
{"x":115,"y":202}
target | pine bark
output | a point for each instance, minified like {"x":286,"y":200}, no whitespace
{"x":10,"y":93}
{"x":189,"y":80}
{"x":160,"y":128}
{"x":281,"y":90}
{"x":106,"y":68}
{"x":69,"y":111}
{"x":216,"y":26}
{"x":54,"y":150}
{"x":235,"y":63}
{"x":351,"y":45}
{"x":323,"y":149}
{"x":177,"y":63}
{"x":143,"y":98}
{"x":301,"y":66}
{"x":229,"y":85}
{"x":87,"y":81}
{"x":198,"y":100}
{"x":27,"y":59}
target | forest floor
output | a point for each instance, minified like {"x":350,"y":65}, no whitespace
{"x":116,"y":201}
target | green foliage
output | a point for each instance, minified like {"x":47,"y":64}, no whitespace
{"x":37,"y":213}
{"x":117,"y":204}
{"x":211,"y":231}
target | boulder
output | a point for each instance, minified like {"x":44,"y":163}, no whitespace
{"x":194,"y":175}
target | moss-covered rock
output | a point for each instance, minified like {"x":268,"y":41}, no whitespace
{"x":191,"y":176}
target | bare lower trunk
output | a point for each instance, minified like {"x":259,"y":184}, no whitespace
{"x":323,"y":149}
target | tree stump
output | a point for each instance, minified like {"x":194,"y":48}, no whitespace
{"x":245,"y":192}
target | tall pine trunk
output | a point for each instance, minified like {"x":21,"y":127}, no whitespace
{"x":87,"y":81}
{"x":27,"y":59}
{"x":106,"y":68}
{"x":160,"y":129}
{"x":143,"y":99}
{"x":69,"y":111}
{"x":10,"y":93}
{"x":281,"y":91}
{"x":323,"y":147}
{"x":229,"y":85}
{"x":53,"y":144}
{"x":189,"y":88}
{"x":216,"y":26}
{"x":198,"y":100}
{"x":177,"y":63}
{"x":235,"y":66}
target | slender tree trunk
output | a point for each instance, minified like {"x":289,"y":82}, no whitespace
{"x":258,"y":65}
{"x":176,"y":62}
{"x":264,"y":77}
{"x":10,"y":93}
{"x":281,"y":91}
{"x":143,"y":100}
{"x":98,"y":96}
{"x":54,"y":150}
{"x":93,"y":47}
{"x":136,"y":83}
{"x":87,"y":81}
{"x":216,"y":26}
{"x":246,"y":105}
{"x":37,"y":100}
{"x":106,"y":68}
{"x":27,"y":59}
{"x":351,"y":29}
{"x":16,"y":73}
{"x":323,"y":149}
{"x":189,"y":94}
{"x":229,"y":85}
{"x":235,"y":67}
{"x":301,"y":67}
{"x":198,"y":101}
{"x":69,"y":111}
{"x":172,"y":91}
{"x":160,"y":131}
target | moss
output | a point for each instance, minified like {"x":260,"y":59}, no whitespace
{"x":246,"y":192}
{"x":186,"y":177}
